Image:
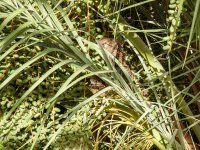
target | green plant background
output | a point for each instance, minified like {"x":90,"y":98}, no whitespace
{"x":49,"y":51}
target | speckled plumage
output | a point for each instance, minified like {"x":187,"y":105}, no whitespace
{"x":115,"y":48}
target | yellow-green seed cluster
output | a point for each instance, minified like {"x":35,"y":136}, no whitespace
{"x":175,"y":8}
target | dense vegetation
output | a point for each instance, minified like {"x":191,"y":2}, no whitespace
{"x":50,"y":52}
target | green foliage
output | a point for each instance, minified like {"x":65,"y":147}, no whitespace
{"x":49,"y":50}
